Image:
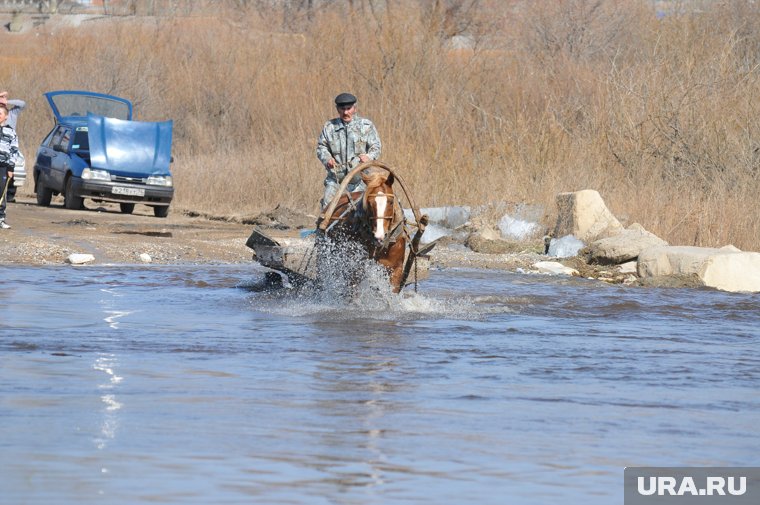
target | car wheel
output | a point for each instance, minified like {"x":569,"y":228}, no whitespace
{"x":70,"y":200}
{"x":161,"y":211}
{"x":127,"y":208}
{"x":44,"y":194}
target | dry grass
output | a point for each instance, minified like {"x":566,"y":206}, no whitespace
{"x":656,"y":114}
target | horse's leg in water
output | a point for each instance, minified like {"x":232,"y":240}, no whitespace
{"x":393,"y":261}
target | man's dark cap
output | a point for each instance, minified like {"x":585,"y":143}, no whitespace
{"x":345,"y":99}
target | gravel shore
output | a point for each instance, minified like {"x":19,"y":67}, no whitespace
{"x":48,"y":235}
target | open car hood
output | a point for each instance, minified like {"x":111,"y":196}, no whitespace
{"x":74,"y":106}
{"x":130,"y":148}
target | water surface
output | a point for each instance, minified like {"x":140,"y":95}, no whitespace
{"x":134,"y":384}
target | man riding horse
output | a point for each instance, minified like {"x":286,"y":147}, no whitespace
{"x":344,"y":143}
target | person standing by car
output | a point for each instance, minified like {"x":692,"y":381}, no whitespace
{"x":346,"y":142}
{"x":8,"y":153}
{"x":14,"y":111}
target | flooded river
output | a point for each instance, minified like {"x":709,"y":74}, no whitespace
{"x":131,"y":384}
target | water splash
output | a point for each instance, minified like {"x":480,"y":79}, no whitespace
{"x":514,"y":228}
{"x":565,"y":247}
{"x":351,"y":286}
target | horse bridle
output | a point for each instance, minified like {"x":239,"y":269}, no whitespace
{"x":391,"y":197}
{"x":390,"y":236}
{"x":393,"y":232}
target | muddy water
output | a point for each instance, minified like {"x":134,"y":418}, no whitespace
{"x":126,"y":385}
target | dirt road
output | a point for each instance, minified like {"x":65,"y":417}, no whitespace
{"x":48,"y":235}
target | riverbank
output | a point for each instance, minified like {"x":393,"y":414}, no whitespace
{"x":48,"y":235}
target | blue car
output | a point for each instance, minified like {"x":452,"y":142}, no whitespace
{"x":97,"y":151}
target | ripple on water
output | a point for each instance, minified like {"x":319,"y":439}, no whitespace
{"x":381,"y":304}
{"x":481,"y":385}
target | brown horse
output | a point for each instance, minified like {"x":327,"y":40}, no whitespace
{"x":374,"y":222}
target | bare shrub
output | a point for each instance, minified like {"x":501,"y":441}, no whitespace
{"x":540,"y":97}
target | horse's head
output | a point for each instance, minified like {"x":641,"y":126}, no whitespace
{"x":378,"y":203}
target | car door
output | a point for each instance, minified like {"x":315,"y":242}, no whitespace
{"x":44,"y":155}
{"x":60,"y":160}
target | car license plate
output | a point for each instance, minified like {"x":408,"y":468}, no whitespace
{"x":118,"y":190}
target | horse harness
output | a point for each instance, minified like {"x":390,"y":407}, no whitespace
{"x":363,"y":217}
